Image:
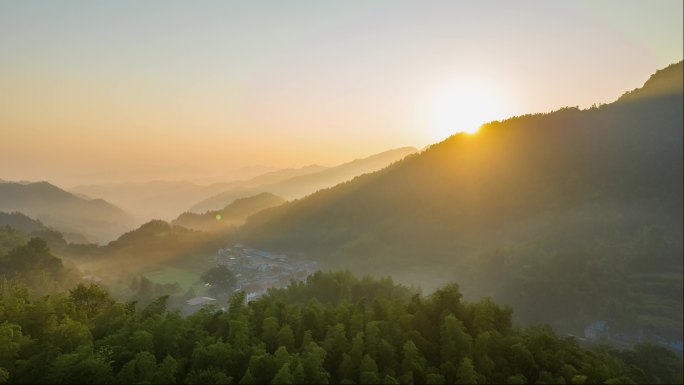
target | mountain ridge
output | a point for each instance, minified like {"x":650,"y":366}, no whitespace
{"x":96,"y":219}
{"x":596,"y":192}
{"x":233,"y":214}
{"x":291,"y":188}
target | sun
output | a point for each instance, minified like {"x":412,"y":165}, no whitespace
{"x":462,"y":106}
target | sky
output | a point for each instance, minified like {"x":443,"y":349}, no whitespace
{"x":106,"y":91}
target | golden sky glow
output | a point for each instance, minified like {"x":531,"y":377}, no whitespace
{"x":95,"y":91}
{"x":463,"y":105}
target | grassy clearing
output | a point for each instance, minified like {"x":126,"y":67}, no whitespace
{"x":168,"y":274}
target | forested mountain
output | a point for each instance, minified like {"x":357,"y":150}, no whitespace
{"x":574,"y":216}
{"x":95,"y":219}
{"x":232,"y":215}
{"x":19,"y":221}
{"x":11,"y":238}
{"x":301,"y":185}
{"x":153,"y":244}
{"x":33,"y":265}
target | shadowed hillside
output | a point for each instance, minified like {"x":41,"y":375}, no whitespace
{"x":232,"y":215}
{"x":572,"y":216}
{"x":19,"y":221}
{"x":95,"y":219}
{"x":152,"y":244}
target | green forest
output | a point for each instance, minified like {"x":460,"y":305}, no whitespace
{"x":333,"y":328}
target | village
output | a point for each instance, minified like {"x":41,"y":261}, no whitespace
{"x":257,"y":270}
{"x":600,"y":332}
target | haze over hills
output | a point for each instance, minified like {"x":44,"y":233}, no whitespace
{"x":95,"y":219}
{"x":166,"y":199}
{"x":19,"y":221}
{"x":573,"y":216}
{"x":123,"y":173}
{"x":154,"y":243}
{"x":155,"y":199}
{"x":181,"y":239}
{"x":301,"y":185}
{"x":271,"y":177}
{"x":234,"y":214}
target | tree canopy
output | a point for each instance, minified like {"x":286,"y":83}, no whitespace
{"x":334,"y":328}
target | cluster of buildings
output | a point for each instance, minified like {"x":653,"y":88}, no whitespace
{"x":258,"y":270}
{"x":599,"y":331}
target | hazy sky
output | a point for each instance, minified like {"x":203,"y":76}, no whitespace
{"x":91,"y":89}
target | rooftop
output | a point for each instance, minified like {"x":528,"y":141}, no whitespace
{"x":199,"y":301}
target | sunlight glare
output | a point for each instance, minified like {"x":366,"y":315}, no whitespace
{"x":463,"y":106}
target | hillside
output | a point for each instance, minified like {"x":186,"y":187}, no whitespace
{"x":234,"y":214}
{"x":19,"y":221}
{"x":96,"y":219}
{"x":166,"y":199}
{"x":573,"y":216}
{"x":667,"y":81}
{"x":301,"y":185}
{"x":149,"y":246}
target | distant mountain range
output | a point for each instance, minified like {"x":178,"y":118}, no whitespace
{"x":167,"y":199}
{"x":300,"y":185}
{"x":95,"y":219}
{"x":572,"y":216}
{"x":154,"y":199}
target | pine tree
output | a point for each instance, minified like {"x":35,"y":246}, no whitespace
{"x":466,"y":372}
{"x":284,"y":376}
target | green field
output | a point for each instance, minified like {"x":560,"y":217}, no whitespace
{"x":168,"y":274}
